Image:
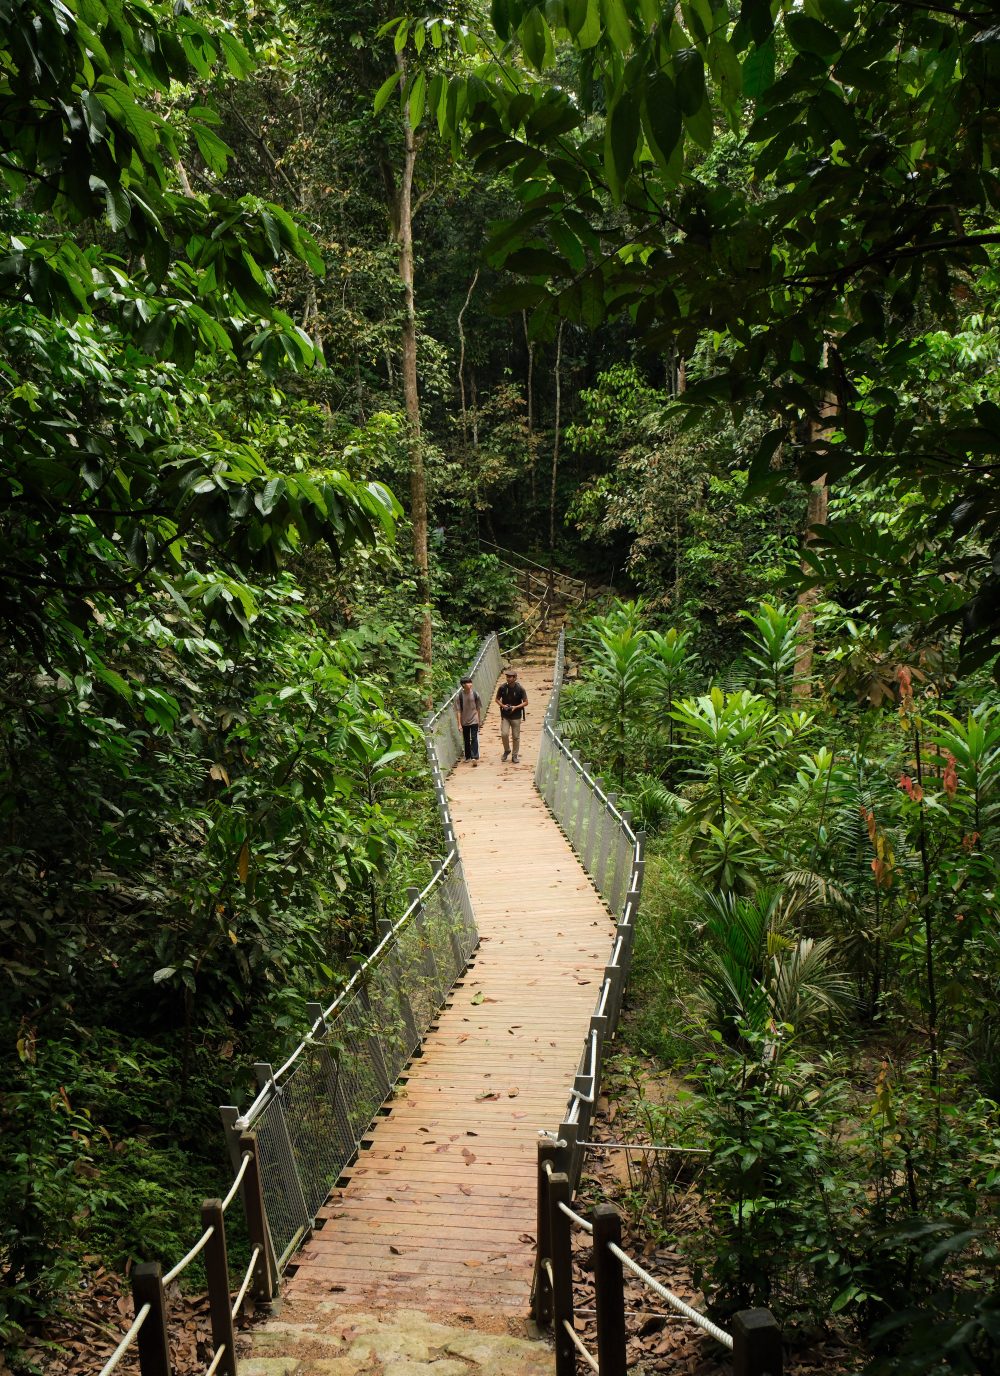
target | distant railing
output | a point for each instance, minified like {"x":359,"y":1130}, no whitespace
{"x":613,"y":856}
{"x":571,"y":589}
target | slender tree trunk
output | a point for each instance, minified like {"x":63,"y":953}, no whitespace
{"x":461,"y":353}
{"x":555,"y":442}
{"x":530,"y":343}
{"x":816,"y":515}
{"x":411,"y":395}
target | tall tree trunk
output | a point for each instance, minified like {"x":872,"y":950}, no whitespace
{"x":461,"y":352}
{"x":411,"y":395}
{"x":816,"y":515}
{"x":531,"y":408}
{"x":555,"y":442}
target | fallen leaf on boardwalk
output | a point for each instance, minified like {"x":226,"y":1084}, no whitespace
{"x":519,"y":1115}
{"x":454,"y":1137}
{"x":478,"y":998}
{"x":395,"y":1251}
{"x":423,"y":1129}
{"x":472,"y":1262}
{"x":525,"y":1237}
{"x":442,"y":1147}
{"x":463,"y":1038}
{"x":514,"y":1025}
{"x":469,"y":1156}
{"x":513,"y":1092}
{"x":583,"y":981}
{"x":488,"y":1094}
{"x":466,"y":1189}
{"x":470,"y":1133}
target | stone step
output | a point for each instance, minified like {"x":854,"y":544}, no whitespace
{"x":325,"y":1339}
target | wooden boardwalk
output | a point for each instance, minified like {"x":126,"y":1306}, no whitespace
{"x":439,"y":1210}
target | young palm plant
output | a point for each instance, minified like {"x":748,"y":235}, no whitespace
{"x":772,"y":646}
{"x":757,"y":977}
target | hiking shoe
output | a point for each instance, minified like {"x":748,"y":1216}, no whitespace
{"x":516,"y":759}
{"x":504,"y":756}
{"x":475,"y":764}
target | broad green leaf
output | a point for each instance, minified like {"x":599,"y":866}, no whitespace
{"x":689,"y":76}
{"x":661,"y":119}
{"x":418,"y":94}
{"x":620,"y":138}
{"x":616,"y":21}
{"x":758,"y":70}
{"x":810,"y":36}
{"x":385,"y":90}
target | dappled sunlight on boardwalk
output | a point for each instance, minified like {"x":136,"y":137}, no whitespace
{"x":439,"y":1210}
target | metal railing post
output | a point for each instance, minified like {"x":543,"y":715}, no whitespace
{"x":609,"y":1292}
{"x":217,"y":1278}
{"x":153,"y":1341}
{"x":562,"y":1273}
{"x":756,"y":1344}
{"x":265,"y":1272}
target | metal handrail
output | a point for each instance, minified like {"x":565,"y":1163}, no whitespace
{"x":609,"y":806}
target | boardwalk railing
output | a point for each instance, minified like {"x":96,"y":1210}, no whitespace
{"x":312,"y":1112}
{"x":613,"y":856}
{"x":755,"y":1340}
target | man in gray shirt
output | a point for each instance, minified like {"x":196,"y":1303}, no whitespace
{"x":469,"y":714}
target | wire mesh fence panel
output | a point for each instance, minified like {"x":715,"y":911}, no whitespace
{"x":461,"y":906}
{"x":439,"y":930}
{"x":390,"y":1008}
{"x":418,"y":977}
{"x":287,"y":1210}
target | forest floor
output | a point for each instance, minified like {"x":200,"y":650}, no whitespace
{"x":658,"y":1210}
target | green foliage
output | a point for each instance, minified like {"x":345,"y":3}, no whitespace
{"x":809,"y":245}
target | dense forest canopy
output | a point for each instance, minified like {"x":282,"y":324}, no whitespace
{"x":309,"y":310}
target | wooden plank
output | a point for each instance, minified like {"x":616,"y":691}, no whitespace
{"x":416,"y":1221}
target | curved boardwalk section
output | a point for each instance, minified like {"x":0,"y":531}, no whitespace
{"x":438,"y":1213}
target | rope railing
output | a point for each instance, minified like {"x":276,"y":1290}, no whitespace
{"x":127,"y":1341}
{"x":149,"y":1331}
{"x":700,"y":1320}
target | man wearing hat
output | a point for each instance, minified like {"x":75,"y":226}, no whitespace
{"x":469,"y":712}
{"x":513,"y":700}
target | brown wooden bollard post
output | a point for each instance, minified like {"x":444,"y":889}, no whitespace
{"x":219,"y":1294}
{"x":609,"y":1292}
{"x":562,"y":1273}
{"x":541,"y":1291}
{"x":153,"y":1341}
{"x":262,"y":1288}
{"x":756,"y":1344}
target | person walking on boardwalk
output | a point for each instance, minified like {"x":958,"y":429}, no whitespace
{"x":469,"y":713}
{"x":513,"y":700}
